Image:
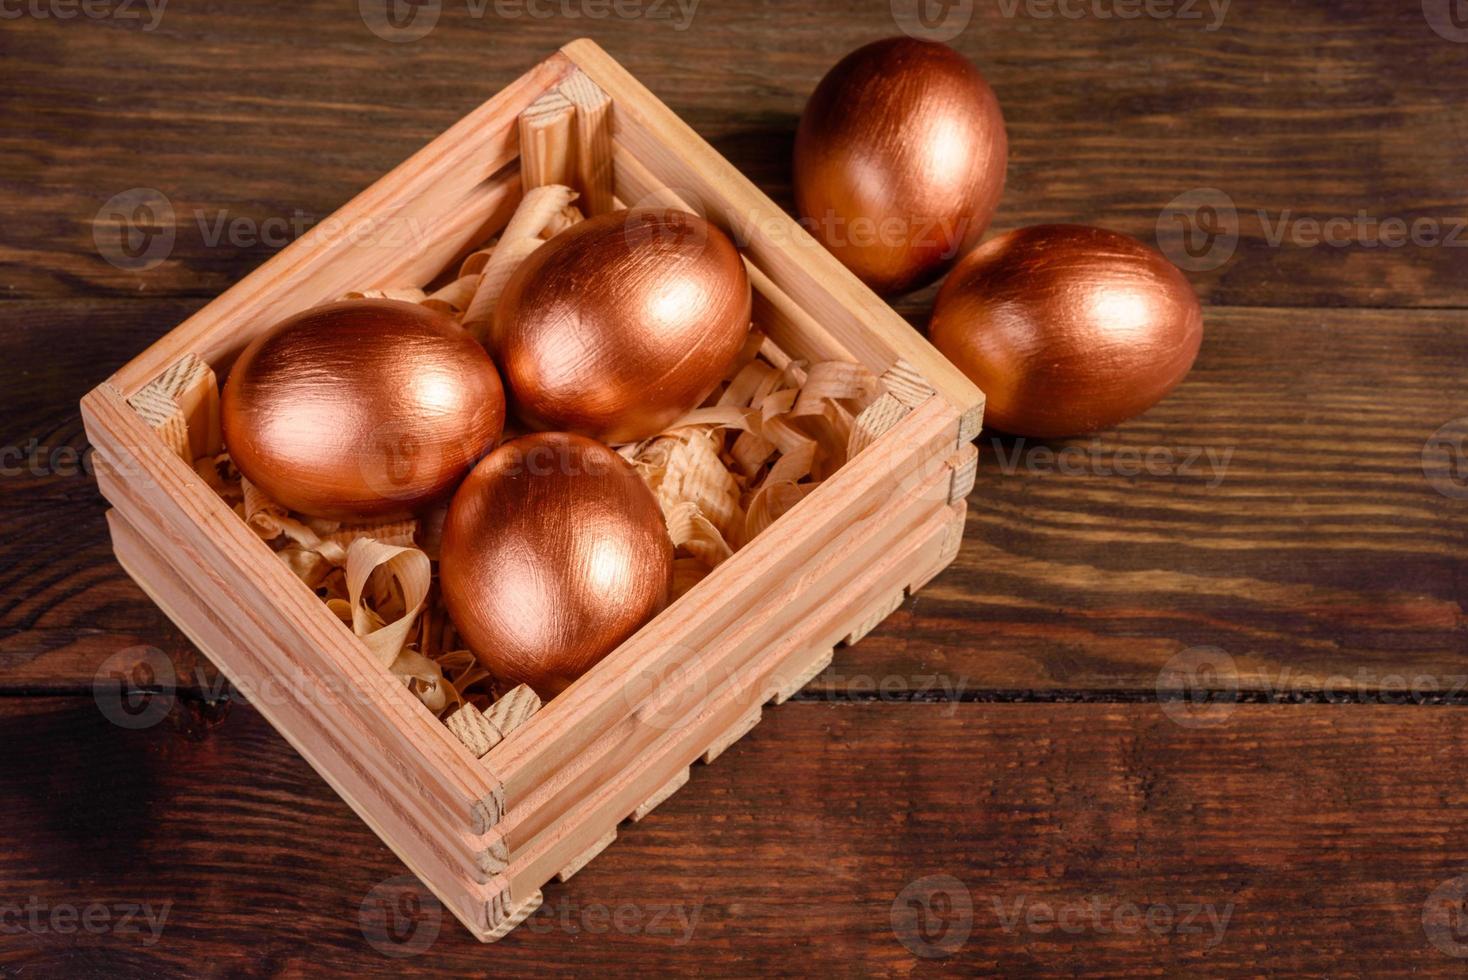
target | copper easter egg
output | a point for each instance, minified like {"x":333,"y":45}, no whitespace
{"x":361,"y":410}
{"x":622,"y":324}
{"x":899,"y":161}
{"x":1068,"y":329}
{"x":554,"y":552}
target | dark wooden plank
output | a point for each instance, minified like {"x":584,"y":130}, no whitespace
{"x":1278,"y":508}
{"x":272,"y":115}
{"x":1303,"y":539}
{"x":1305,"y":838}
{"x":66,"y":609}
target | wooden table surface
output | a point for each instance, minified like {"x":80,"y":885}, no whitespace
{"x":1191,"y":700}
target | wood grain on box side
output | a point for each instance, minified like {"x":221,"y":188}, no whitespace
{"x":165,"y":494}
{"x":341,"y":709}
{"x":428,"y":209}
{"x":547,"y":151}
{"x":727,"y":713}
{"x":750,"y":580}
{"x":593,"y":143}
{"x":303,"y":718}
{"x":893,"y":570}
{"x":800,"y":266}
{"x":657,"y":703}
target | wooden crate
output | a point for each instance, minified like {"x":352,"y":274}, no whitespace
{"x":485,"y":834}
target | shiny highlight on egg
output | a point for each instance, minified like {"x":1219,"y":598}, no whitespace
{"x":554,"y":552}
{"x":622,"y":324}
{"x":900,"y":160}
{"x":361,"y":410}
{"x":1068,"y":329}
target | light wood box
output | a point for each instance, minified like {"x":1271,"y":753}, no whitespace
{"x":486,"y":834}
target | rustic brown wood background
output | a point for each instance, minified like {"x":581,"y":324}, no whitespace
{"x":1281,"y":562}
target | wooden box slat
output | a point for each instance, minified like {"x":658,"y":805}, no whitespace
{"x":726,"y":663}
{"x":755,"y":578}
{"x":241,"y":569}
{"x":487,"y":833}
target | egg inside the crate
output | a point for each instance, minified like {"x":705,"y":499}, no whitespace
{"x":1067,"y":328}
{"x":900,"y":160}
{"x":623,"y":323}
{"x":360,"y":410}
{"x":554,"y":552}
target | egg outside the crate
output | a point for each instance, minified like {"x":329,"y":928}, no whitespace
{"x":900,"y":160}
{"x":1068,"y":329}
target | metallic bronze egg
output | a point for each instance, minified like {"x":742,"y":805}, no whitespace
{"x":361,"y":410}
{"x":622,"y":324}
{"x":554,"y":552}
{"x":899,"y":161}
{"x":1068,"y":329}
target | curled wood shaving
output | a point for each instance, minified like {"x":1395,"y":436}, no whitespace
{"x":726,"y":471}
{"x":375,"y":579}
{"x":476,"y":260}
{"x":537,"y":210}
{"x":409,"y":295}
{"x":454,"y":298}
{"x":387,"y":587}
{"x":561,"y":220}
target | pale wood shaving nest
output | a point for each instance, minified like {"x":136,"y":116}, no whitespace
{"x":767,"y":436}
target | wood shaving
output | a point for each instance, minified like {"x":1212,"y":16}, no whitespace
{"x":537,"y":210}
